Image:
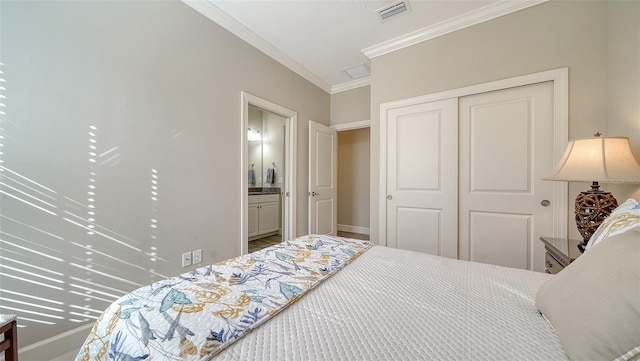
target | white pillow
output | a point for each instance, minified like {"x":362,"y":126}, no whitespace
{"x":593,"y":303}
{"x":625,"y":217}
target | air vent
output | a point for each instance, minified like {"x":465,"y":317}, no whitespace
{"x":396,"y":8}
{"x":358,"y":71}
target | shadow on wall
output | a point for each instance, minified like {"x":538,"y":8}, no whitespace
{"x":51,"y":288}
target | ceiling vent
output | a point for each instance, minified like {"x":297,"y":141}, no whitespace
{"x":357,"y":71}
{"x":396,"y":8}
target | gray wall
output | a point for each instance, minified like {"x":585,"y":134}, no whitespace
{"x":552,"y":35}
{"x":623,"y":82}
{"x":155,"y":87}
{"x":351,"y":105}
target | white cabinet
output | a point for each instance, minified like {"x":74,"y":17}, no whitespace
{"x":263,"y":215}
{"x":268,"y":217}
{"x":253,"y":218}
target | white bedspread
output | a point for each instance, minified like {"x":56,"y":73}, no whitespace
{"x":392,"y":304}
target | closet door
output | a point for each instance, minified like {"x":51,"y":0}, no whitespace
{"x":422,"y":177}
{"x":506,"y":148}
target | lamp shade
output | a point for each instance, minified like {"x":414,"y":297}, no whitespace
{"x":607,"y":159}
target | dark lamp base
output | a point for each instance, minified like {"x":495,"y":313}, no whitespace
{"x":583,"y":245}
{"x":592,"y":208}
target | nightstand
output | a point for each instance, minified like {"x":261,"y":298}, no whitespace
{"x":559,"y":252}
{"x":9,"y":344}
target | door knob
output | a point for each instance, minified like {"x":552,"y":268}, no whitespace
{"x":389,"y":197}
{"x":545,"y":203}
{"x":313,"y":194}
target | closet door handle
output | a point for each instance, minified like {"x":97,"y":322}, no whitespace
{"x":389,"y":197}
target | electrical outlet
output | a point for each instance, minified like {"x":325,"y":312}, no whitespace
{"x":186,"y":259}
{"x":197,"y":256}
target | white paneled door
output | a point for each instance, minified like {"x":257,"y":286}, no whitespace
{"x":323,"y":177}
{"x":506,"y":148}
{"x":422,"y":177}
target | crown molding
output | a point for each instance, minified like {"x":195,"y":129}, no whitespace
{"x":353,"y":84}
{"x":483,"y":14}
{"x":208,"y":9}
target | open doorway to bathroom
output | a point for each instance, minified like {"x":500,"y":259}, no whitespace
{"x":265,"y":176}
{"x":268,"y":159}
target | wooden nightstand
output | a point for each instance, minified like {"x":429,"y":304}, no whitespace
{"x":9,"y":345}
{"x":559,"y":253}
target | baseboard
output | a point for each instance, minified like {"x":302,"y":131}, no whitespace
{"x":353,"y":229}
{"x":55,"y":346}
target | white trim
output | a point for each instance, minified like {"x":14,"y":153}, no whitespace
{"x":557,"y":75}
{"x":291,"y":188}
{"x":560,"y":79}
{"x":353,"y":84}
{"x":474,"y":17}
{"x":289,"y":217}
{"x":352,"y":125}
{"x":52,"y":347}
{"x":208,"y":9}
{"x":561,"y":138}
{"x":353,"y":229}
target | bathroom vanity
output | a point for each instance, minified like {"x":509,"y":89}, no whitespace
{"x":263,"y":214}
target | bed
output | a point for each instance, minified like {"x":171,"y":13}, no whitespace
{"x":331,"y":298}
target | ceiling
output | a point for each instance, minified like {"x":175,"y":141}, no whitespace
{"x":319,"y":39}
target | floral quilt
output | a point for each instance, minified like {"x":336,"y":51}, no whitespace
{"x":196,"y":315}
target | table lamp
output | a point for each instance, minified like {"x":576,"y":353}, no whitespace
{"x":598,"y":159}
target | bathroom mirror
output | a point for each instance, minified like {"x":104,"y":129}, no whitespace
{"x":254,"y":137}
{"x":266,"y":148}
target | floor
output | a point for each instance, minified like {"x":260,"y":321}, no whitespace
{"x":353,"y":235}
{"x":265,"y":242}
{"x":261,"y":243}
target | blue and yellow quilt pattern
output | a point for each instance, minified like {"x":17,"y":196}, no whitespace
{"x":195,"y":315}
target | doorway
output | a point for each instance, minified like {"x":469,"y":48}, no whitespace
{"x":271,"y":206}
{"x":354,"y":186}
{"x":266,"y":175}
{"x":354,"y":160}
{"x":339,"y":155}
